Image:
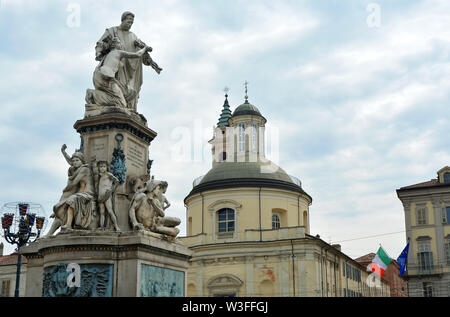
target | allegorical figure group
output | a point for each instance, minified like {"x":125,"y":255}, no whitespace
{"x":87,"y":201}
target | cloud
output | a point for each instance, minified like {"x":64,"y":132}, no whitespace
{"x":360,"y":111}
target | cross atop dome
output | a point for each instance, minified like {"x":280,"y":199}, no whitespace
{"x":246,"y":91}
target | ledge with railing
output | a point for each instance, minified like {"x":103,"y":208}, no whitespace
{"x":294,"y":179}
{"x":248,"y":235}
{"x":417,"y":270}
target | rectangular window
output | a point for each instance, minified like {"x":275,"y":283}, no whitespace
{"x":345,"y":292}
{"x":241,"y":140}
{"x":427,"y":289}
{"x":275,"y":221}
{"x":226,"y":220}
{"x":5,"y":288}
{"x":421,"y":216}
{"x":425,"y":258}
{"x":447,"y":178}
{"x":343,"y":270}
{"x":447,"y":251}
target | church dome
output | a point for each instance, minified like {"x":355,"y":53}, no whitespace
{"x":247,"y":174}
{"x":246,"y":109}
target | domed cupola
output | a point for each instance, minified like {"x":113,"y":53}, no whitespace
{"x":247,"y":109}
{"x":238,"y":154}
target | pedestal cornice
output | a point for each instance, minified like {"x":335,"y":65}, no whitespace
{"x":116,"y":120}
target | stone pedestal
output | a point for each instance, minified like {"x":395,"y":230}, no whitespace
{"x":110,"y":264}
{"x":103,"y":133}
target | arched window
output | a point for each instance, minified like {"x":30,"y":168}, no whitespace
{"x":275,"y":221}
{"x":241,"y":137}
{"x":254,"y":137}
{"x":226,"y":220}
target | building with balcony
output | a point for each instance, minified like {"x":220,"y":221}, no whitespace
{"x":427,"y":220}
{"x":248,"y":224}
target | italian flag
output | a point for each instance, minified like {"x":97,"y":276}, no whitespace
{"x":380,"y":262}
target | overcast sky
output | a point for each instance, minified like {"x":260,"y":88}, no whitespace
{"x":357,"y":90}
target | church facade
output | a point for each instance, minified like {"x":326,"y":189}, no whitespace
{"x":248,"y":225}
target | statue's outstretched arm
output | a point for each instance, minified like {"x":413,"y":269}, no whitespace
{"x":135,"y":55}
{"x":66,"y":156}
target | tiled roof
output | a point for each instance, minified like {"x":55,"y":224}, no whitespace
{"x":431,"y":183}
{"x":365,"y":258}
{"x":11,"y":259}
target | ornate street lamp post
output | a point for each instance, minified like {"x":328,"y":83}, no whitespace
{"x":21,"y":223}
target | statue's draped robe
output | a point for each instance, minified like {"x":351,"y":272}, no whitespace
{"x":108,"y":92}
{"x":82,"y":203}
{"x":130,"y":70}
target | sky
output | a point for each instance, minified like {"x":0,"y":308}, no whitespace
{"x":356,"y":92}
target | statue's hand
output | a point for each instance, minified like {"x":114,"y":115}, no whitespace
{"x":63,"y":147}
{"x":52,"y":215}
{"x":138,"y":226}
{"x":148,"y":49}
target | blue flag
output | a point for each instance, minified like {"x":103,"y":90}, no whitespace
{"x":403,"y":259}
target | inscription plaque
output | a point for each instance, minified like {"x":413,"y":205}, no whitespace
{"x":136,"y":155}
{"x":99,"y":148}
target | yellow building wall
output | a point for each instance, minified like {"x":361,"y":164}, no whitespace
{"x":271,"y":270}
{"x":249,"y":213}
{"x":272,"y":275}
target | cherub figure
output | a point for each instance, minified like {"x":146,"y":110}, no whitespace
{"x":106,"y":184}
{"x":109,"y":91}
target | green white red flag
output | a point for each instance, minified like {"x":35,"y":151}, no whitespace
{"x":380,"y":262}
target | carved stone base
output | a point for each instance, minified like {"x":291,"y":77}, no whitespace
{"x":123,"y":141}
{"x":127,"y":264}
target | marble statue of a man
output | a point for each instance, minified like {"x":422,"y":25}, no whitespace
{"x":130,"y":70}
{"x":108,"y":90}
